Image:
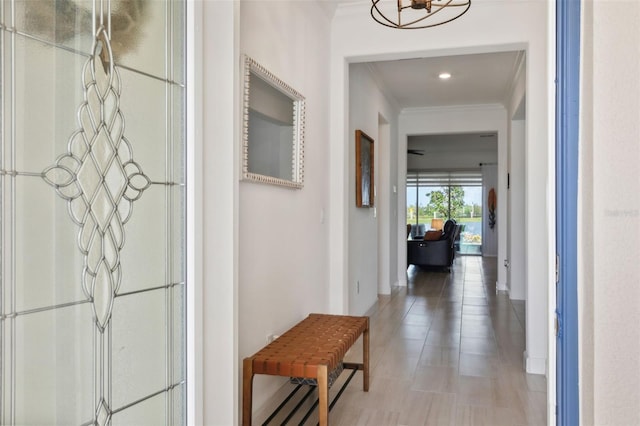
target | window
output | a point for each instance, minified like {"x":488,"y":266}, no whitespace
{"x":434,"y":197}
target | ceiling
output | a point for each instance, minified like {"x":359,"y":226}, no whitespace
{"x":475,"y":79}
{"x":478,"y":79}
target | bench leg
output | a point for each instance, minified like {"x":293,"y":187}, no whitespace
{"x":247,"y":391}
{"x":323,"y":395}
{"x":365,"y":358}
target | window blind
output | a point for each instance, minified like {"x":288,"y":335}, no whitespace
{"x":444,"y":178}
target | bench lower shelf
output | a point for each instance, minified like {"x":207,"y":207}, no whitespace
{"x":289,"y":401}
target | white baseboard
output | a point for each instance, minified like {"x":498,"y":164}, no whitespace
{"x":386,"y":289}
{"x":402,"y":283}
{"x":501,"y":286}
{"x":372,"y":310}
{"x":535,"y":365}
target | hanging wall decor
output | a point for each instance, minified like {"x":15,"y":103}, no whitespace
{"x":272,"y":130}
{"x":491,"y":202}
{"x":364,"y":170}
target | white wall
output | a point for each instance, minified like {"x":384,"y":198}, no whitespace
{"x":366,"y":104}
{"x":514,"y":26}
{"x":517,"y":165}
{"x":586,"y":252}
{"x":457,"y":152}
{"x":609,"y":214}
{"x":387,"y":199}
{"x":517,"y":220}
{"x":282,"y":261}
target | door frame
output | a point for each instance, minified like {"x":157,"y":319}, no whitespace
{"x":567,"y":143}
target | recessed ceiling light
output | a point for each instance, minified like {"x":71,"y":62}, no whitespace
{"x":444,"y":76}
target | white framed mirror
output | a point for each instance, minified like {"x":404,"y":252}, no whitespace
{"x":273,"y":128}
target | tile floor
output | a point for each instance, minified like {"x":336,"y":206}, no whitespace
{"x":445,"y":350}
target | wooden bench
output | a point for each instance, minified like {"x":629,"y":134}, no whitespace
{"x":311,"y":349}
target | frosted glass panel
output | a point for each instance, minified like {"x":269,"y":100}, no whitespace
{"x":66,"y":23}
{"x":178,"y":332}
{"x":179,"y":401}
{"x":178,"y":236}
{"x":48,"y":262}
{"x":48,"y":93}
{"x":178,"y":44}
{"x":144,"y":255}
{"x":178,"y":141}
{"x":146,"y":126}
{"x":144,"y":46}
{"x":151,"y":412}
{"x":54,"y":362}
{"x":138,"y":346}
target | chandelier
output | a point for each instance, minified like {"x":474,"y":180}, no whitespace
{"x":413,"y":14}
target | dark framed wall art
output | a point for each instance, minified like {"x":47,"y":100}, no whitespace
{"x":364,"y":169}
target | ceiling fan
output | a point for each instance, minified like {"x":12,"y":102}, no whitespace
{"x":415,"y":151}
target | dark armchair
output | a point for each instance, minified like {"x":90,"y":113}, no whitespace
{"x":438,"y":252}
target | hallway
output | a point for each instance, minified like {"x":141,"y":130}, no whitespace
{"x":445,"y":350}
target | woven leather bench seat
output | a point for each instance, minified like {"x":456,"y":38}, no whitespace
{"x":317,"y":340}
{"x":310,"y":350}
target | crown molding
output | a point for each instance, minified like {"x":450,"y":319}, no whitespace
{"x":373,"y":70}
{"x":350,"y":8}
{"x":328,"y":7}
{"x":518,"y":69}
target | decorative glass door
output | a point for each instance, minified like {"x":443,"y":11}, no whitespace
{"x":92,"y":215}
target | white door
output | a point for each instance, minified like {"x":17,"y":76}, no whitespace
{"x":92,"y":191}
